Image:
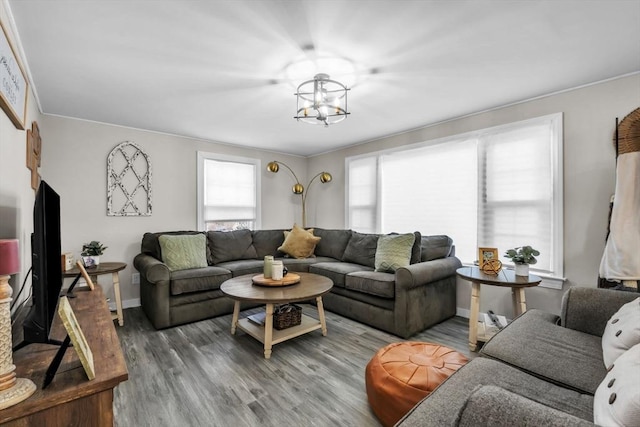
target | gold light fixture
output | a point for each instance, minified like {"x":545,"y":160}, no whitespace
{"x":321,"y":101}
{"x":298,"y":188}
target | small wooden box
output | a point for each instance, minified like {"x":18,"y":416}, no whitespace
{"x":67,"y":261}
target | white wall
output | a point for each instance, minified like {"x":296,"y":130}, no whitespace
{"x":589,"y":178}
{"x":76,"y":167}
{"x":16,"y":195}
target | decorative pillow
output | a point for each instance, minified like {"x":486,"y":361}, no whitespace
{"x":299,"y":243}
{"x":394,"y":251}
{"x":621,"y":333}
{"x":184,"y":252}
{"x":617,"y":398}
{"x":361,"y":249}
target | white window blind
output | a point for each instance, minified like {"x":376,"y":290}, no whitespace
{"x":228,"y":192}
{"x":363,"y":194}
{"x":499,"y":187}
{"x":420,"y":193}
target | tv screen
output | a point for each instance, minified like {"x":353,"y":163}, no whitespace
{"x":46,"y":255}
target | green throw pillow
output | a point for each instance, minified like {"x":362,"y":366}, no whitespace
{"x":184,"y":251}
{"x":394,"y":251}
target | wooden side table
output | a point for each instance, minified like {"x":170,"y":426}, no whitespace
{"x":506,"y":278}
{"x":105,"y":268}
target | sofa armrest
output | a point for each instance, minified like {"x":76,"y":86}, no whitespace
{"x":151,"y":268}
{"x":421,"y":273}
{"x":588,"y":309}
{"x":495,"y":406}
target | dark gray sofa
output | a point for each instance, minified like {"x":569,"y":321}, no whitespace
{"x":541,"y":370}
{"x":414,"y":298}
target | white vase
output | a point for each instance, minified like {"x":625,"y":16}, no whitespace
{"x":522,"y":270}
{"x":91,"y":261}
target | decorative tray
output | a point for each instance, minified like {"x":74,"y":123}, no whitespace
{"x":289,"y":279}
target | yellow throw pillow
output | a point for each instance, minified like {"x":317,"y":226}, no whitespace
{"x":299,"y":243}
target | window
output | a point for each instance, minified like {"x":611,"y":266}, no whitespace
{"x":499,"y":187}
{"x":228,"y":192}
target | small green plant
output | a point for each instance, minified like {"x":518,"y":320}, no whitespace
{"x":93,"y":248}
{"x":523,"y":255}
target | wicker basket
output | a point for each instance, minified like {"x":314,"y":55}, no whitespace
{"x":286,"y":316}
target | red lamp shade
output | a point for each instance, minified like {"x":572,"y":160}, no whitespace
{"x":9,"y":258}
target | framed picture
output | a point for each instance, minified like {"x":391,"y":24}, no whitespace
{"x":486,"y":254}
{"x":78,"y":339}
{"x":13,"y":82}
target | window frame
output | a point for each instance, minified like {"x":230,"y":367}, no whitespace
{"x":202,"y":156}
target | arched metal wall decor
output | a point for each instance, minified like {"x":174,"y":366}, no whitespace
{"x":128,"y":181}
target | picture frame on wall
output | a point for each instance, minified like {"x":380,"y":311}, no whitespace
{"x":486,"y":254}
{"x":14,"y":85}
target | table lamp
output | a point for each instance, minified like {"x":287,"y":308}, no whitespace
{"x":12,"y":390}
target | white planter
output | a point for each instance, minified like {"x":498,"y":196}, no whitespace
{"x":522,"y":270}
{"x":91,"y":261}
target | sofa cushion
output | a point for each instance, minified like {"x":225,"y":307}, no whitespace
{"x":241,"y":267}
{"x":361,"y":249}
{"x":435,"y":247}
{"x":302,"y":264}
{"x":622,"y":332}
{"x":266,"y":242}
{"x":560,"y":355}
{"x":333,"y":242}
{"x":231,"y":245}
{"x":336,"y":271}
{"x":494,"y":406}
{"x":393,"y":252}
{"x":184,"y":251}
{"x":299,"y":243}
{"x":198,"y":280}
{"x":617,"y":399}
{"x":372,"y":282}
{"x":445,"y":404}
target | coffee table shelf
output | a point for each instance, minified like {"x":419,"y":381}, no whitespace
{"x":307,"y":324}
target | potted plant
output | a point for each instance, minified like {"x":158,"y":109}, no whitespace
{"x":91,"y":253}
{"x":522,"y":257}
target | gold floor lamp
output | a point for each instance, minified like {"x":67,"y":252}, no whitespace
{"x":298,"y":188}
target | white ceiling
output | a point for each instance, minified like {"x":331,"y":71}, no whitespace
{"x":215,"y":70}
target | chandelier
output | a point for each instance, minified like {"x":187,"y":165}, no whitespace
{"x":321,"y":101}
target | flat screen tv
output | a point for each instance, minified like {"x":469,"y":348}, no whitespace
{"x":46,"y":279}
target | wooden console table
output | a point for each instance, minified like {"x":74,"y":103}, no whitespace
{"x":71,"y":399}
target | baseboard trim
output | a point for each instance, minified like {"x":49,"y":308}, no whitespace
{"x":128,"y":303}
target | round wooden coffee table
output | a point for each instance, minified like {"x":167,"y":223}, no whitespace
{"x":311,"y":286}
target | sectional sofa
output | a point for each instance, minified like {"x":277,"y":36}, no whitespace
{"x":576,"y":369}
{"x":403,"y":302}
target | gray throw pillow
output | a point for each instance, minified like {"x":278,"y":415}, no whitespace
{"x":361,"y":249}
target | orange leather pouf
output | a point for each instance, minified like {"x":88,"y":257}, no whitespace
{"x":401,"y":374}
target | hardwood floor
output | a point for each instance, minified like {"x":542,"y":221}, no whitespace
{"x":200,"y":375}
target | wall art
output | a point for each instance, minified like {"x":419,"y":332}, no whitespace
{"x":128,"y":181}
